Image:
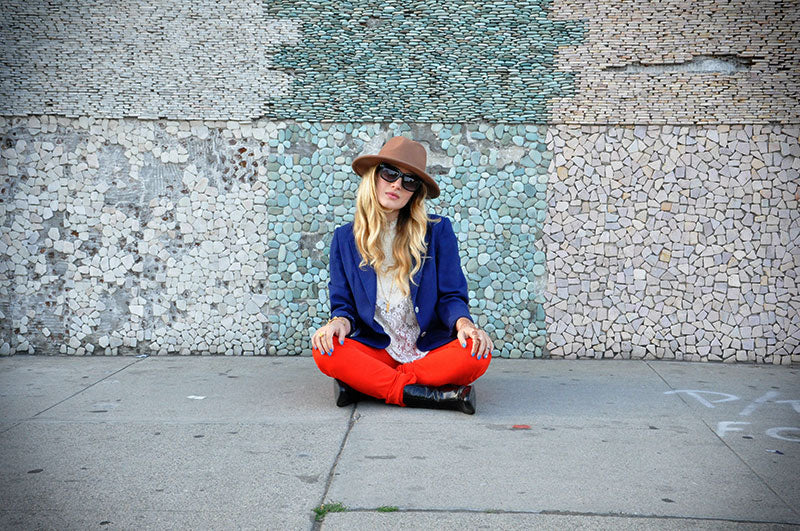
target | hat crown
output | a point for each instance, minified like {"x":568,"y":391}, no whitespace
{"x":405,"y":150}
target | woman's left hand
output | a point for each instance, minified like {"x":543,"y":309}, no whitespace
{"x":481,"y":342}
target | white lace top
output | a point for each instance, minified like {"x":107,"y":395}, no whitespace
{"x":399,"y":321}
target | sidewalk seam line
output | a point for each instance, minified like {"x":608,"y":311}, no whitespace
{"x":734,"y":452}
{"x":556,"y":512}
{"x":316,"y":526}
{"x":76,"y":393}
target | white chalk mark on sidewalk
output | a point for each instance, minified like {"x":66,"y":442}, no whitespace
{"x":725,"y":426}
{"x":795,"y":403}
{"x":778,"y":433}
{"x":697,"y":395}
{"x":752,"y":406}
{"x":194,"y":397}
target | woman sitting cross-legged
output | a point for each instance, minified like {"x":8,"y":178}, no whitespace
{"x":401,"y":330}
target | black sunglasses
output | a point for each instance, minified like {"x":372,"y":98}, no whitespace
{"x":390,"y":174}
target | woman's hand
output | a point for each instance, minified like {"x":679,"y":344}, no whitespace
{"x":322,"y":339}
{"x":481,"y":342}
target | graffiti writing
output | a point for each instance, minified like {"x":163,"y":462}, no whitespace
{"x":709,"y":399}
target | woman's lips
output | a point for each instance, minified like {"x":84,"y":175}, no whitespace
{"x":393,"y":196}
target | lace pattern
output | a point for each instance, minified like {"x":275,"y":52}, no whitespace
{"x":399,"y":320}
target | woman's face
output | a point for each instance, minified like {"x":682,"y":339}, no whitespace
{"x":392,"y":196}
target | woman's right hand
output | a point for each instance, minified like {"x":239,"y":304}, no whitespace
{"x":322,"y":339}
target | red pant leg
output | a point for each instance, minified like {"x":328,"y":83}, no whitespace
{"x":369,"y":370}
{"x":449,"y":364}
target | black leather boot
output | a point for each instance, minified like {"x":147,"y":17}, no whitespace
{"x":457,"y":397}
{"x":346,"y":395}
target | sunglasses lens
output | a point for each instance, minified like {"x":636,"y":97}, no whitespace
{"x":410,"y":183}
{"x":388,"y":174}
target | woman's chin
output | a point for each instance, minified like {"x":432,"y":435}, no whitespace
{"x":389,"y":206}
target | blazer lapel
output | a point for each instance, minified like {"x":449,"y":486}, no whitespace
{"x":415,"y":285}
{"x":369,"y":281}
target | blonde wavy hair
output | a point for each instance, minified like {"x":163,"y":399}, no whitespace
{"x":409,"y":243}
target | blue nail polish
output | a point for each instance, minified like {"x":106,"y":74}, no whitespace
{"x":341,"y":341}
{"x":463,"y":344}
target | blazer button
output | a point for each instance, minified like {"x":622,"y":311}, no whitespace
{"x":422,"y":334}
{"x":416,"y":309}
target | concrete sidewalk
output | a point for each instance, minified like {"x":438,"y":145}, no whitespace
{"x":257,"y":443}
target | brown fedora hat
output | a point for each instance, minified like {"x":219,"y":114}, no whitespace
{"x":407,"y":155}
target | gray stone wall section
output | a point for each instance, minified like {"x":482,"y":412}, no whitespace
{"x":674,"y":242}
{"x":144,"y":58}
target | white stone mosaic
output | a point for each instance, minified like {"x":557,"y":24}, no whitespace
{"x":142,"y":58}
{"x":115,"y":281}
{"x":674,"y":242}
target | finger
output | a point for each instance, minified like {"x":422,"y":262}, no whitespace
{"x":462,"y":337}
{"x":476,"y":343}
{"x":341,"y":333}
{"x":486,"y":345}
{"x":481,"y":348}
{"x":314,"y":341}
{"x":329,"y":341}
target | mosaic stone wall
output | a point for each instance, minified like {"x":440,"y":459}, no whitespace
{"x":674,"y":242}
{"x":423,"y":61}
{"x":681,"y":62}
{"x":369,"y":61}
{"x":141,"y":58}
{"x":212,"y":237}
{"x":559,"y":61}
{"x":171,"y":173}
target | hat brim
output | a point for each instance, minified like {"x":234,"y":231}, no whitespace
{"x":363,"y":163}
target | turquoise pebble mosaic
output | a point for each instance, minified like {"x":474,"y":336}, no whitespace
{"x":421,"y":61}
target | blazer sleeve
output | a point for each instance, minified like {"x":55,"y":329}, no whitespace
{"x":452,"y":301}
{"x":341,"y":296}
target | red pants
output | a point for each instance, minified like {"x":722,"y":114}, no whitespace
{"x":374,"y":372}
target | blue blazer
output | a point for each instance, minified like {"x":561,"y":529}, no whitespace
{"x":438,"y":293}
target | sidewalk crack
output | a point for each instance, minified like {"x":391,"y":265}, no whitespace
{"x":76,"y":393}
{"x":562,"y":512}
{"x":350,"y":423}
